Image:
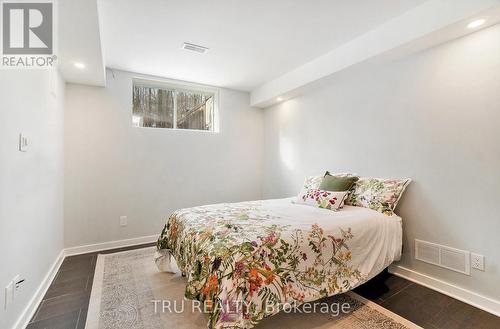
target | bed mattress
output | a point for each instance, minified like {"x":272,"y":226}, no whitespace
{"x":246,"y":261}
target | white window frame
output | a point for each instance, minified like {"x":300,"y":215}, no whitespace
{"x":180,"y":86}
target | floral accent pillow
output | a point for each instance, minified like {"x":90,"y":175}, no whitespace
{"x":378,"y":194}
{"x":312,"y":182}
{"x":323,"y":199}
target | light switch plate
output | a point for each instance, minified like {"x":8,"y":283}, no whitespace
{"x":23,"y":143}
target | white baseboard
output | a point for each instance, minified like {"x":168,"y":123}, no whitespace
{"x":109,"y":245}
{"x":32,"y":306}
{"x":482,"y":302}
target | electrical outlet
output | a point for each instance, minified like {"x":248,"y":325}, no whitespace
{"x":18,"y":284}
{"x":123,"y":220}
{"x":477,"y":261}
{"x":9,"y":294}
{"x":12,"y":290}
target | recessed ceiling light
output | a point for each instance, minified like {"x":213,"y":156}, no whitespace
{"x":279,"y":99}
{"x":476,"y":23}
{"x":80,"y":66}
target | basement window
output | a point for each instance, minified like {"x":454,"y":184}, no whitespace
{"x":162,"y":105}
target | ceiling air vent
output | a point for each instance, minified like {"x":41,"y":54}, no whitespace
{"x":447,"y":257}
{"x":195,"y":48}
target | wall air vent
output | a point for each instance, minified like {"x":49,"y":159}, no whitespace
{"x":195,"y":48}
{"x":447,"y":257}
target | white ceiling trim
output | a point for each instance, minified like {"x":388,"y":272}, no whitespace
{"x":431,"y":23}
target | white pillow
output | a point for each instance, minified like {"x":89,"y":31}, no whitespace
{"x":323,"y":199}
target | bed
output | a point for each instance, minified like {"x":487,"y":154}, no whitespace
{"x":247,"y":261}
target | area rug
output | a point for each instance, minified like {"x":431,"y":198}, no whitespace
{"x":129,"y":292}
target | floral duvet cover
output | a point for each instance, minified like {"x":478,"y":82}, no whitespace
{"x":246,"y":261}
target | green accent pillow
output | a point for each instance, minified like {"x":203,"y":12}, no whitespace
{"x":337,"y":184}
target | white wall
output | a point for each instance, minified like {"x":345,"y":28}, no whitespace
{"x":31,"y":183}
{"x":114,"y":169}
{"x":434,"y":117}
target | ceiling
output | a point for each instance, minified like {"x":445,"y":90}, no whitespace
{"x":251,"y":42}
{"x":274,"y":49}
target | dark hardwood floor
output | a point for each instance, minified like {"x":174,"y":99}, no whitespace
{"x":423,"y":306}
{"x":66,"y":302}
